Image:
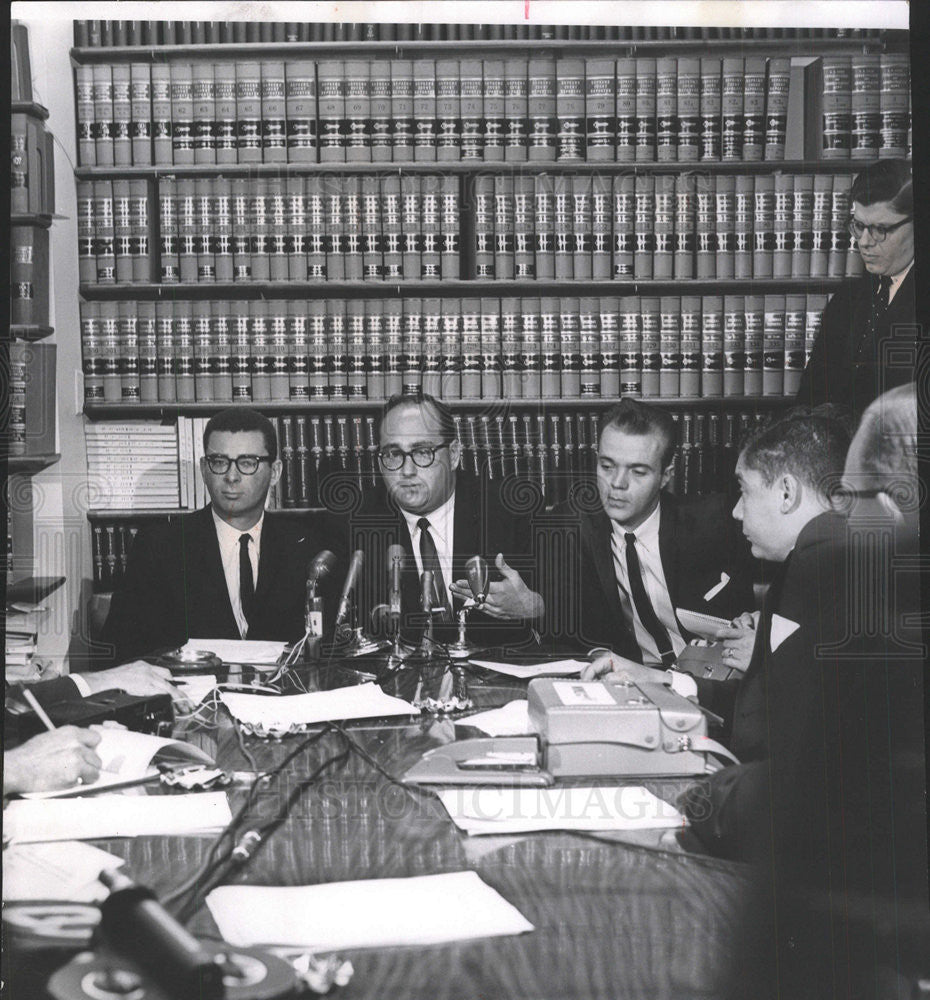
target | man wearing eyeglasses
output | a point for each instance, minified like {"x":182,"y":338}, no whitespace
{"x":867,"y":340}
{"x":442,"y":519}
{"x":229,"y":571}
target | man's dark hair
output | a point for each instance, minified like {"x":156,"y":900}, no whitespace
{"x":810,"y":445}
{"x":885,"y":180}
{"x":235,"y":419}
{"x":634,"y":417}
{"x":435,"y":413}
{"x":889,"y":437}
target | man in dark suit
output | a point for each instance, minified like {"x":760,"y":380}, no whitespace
{"x":228,"y":571}
{"x":643,"y":554}
{"x":785,"y":472}
{"x":442,"y":518}
{"x":867,"y":342}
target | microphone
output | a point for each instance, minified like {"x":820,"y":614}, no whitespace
{"x":476,"y":570}
{"x":321,"y":565}
{"x":395,"y":555}
{"x":355,"y":567}
{"x":426,"y":591}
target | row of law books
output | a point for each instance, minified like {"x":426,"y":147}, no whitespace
{"x":570,"y":348}
{"x":93,"y":33}
{"x":544,"y":109}
{"x":346,"y":227}
{"x":270,"y":229}
{"x":329,"y":461}
{"x":132,"y":465}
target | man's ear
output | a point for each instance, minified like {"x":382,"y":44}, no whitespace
{"x":455,"y":453}
{"x":276,"y":469}
{"x":667,"y":474}
{"x":791,"y":491}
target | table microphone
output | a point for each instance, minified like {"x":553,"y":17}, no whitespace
{"x":136,"y":924}
{"x":355,"y":567}
{"x":479,"y":578}
{"x":320,"y":567}
{"x":396,"y":556}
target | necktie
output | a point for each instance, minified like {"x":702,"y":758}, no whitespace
{"x":429,"y":557}
{"x":867,"y":351}
{"x":643,"y":605}
{"x":246,"y":582}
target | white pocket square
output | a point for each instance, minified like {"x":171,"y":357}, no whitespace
{"x":715,"y":590}
{"x":781,"y":629}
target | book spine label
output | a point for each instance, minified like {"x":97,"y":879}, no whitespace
{"x":670,"y":347}
{"x":731,"y":103}
{"x":530,"y":348}
{"x":319,"y":360}
{"x":122,"y":231}
{"x":589,"y":349}
{"x":333,"y":226}
{"x":691,"y":345}
{"x":402,"y":110}
{"x":776,"y":107}
{"x":712,"y":346}
{"x":550,"y":348}
{"x":413,"y":346}
{"x":161,"y":114}
{"x":451,"y":350}
{"x":541,"y":109}
{"x":104,"y":248}
{"x":274,"y":130}
{"x":743,"y":214}
{"x":430,"y":227}
{"x":182,"y":113}
{"x":424,"y":110}
{"x":380,"y":118}
{"x":515,"y":110}
{"x":711,"y":108}
{"x":493,"y":106}
{"x":122,"y":115}
{"x":570,"y":334}
{"x":600,"y":109}
{"x":471,"y":91}
{"x":394,"y":347}
{"x":626,"y":111}
{"x":773,"y":346}
{"x":337,"y":366}
{"x":148,"y":352}
{"x":837,"y":107}
{"x":331,"y":107}
{"x":734,"y":344}
{"x":645,"y":110}
{"x":249,"y":112}
{"x":503,"y":228}
{"x":140,"y":129}
{"x":374,"y":339}
{"x":91,"y":353}
{"x":103,"y":114}
{"x":645,"y":222}
{"x":581,"y":227}
{"x":358,"y":112}
{"x":753,"y":108}
{"x":471,"y":349}
{"x":623,"y":226}
{"x":84,"y":101}
{"x":894,"y":104}
{"x":570,"y":109}
{"x":448,"y":120}
{"x":650,"y":329}
{"x":544,"y":211}
{"x":754,"y":323}
{"x":689,"y":109}
{"x":450,"y":222}
{"x":609,"y":349}
{"x":685,"y":199}
{"x":667,"y":110}
{"x":510,"y":349}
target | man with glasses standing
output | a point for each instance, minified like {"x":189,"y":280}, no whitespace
{"x":867,"y":341}
{"x":442,"y":519}
{"x":229,"y":571}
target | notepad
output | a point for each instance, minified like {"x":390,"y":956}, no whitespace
{"x":64,"y":870}
{"x":126,"y":756}
{"x":251,"y":651}
{"x":525,"y":671}
{"x":36,"y":820}
{"x":369,"y":913}
{"x":362,"y":701}
{"x":479,"y":811}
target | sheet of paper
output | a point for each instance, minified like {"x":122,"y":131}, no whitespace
{"x":363,"y":701}
{"x":29,"y":821}
{"x":705,"y":626}
{"x":64,"y":870}
{"x":196,"y":687}
{"x":512,"y":719}
{"x":239,"y":650}
{"x":521,"y":810}
{"x":370,"y":913}
{"x":127,"y":755}
{"x":526,"y":671}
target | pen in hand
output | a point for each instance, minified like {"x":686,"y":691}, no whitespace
{"x":39,"y":710}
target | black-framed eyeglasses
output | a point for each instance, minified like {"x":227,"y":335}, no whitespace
{"x":877,"y":232}
{"x":423,"y":456}
{"x":246,"y":464}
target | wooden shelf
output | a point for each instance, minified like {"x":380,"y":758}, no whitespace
{"x":31,"y":219}
{"x":29,"y":331}
{"x":534,"y":168}
{"x":31,"y":108}
{"x":143,"y":411}
{"x":32,"y":589}
{"x":479,"y":287}
{"x":554,"y":46}
{"x":138,"y":515}
{"x":30,"y":464}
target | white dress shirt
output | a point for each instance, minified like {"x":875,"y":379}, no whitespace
{"x":896,"y":280}
{"x":441,"y":526}
{"x":650,"y":563}
{"x":228,"y":538}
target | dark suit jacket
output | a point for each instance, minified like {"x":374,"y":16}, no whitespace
{"x":174,"y":587}
{"x":698,"y":541}
{"x":846,"y":365}
{"x":486,"y":522}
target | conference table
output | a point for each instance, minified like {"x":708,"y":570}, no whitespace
{"x":615,"y":915}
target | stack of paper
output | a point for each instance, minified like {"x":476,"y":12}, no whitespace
{"x":521,"y":810}
{"x":65,"y":870}
{"x":526,"y":671}
{"x":370,"y":913}
{"x":22,"y":633}
{"x":363,"y":701}
{"x":35,"y":820}
{"x":513,"y":719}
{"x":251,"y":651}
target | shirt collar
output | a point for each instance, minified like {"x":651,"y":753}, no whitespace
{"x":896,"y":279}
{"x":439,"y":518}
{"x":647,"y":534}
{"x":228,"y":535}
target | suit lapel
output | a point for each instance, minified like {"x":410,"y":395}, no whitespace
{"x":204,"y":569}
{"x":668,"y":546}
{"x":597,"y":529}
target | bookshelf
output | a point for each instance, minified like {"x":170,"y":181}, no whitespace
{"x":30,"y":422}
{"x":696,"y":281}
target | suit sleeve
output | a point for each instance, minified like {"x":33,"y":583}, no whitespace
{"x":823,"y":369}
{"x":45,"y":692}
{"x":139,"y":609}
